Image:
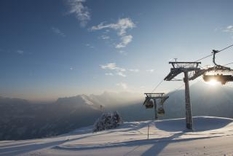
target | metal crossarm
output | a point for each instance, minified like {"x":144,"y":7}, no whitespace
{"x":180,"y":67}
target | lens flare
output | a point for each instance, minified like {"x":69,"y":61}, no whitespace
{"x":212,"y":82}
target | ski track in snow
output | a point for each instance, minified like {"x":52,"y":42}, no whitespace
{"x":211,"y":136}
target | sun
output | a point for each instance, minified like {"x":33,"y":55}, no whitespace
{"x":212,"y":82}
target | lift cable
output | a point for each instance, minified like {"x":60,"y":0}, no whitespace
{"x":203,"y":58}
{"x":225,"y":48}
{"x":228,"y":63}
{"x":216,"y":52}
{"x":178,"y":88}
{"x":157,"y":85}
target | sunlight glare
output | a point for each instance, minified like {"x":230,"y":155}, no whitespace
{"x":212,"y":82}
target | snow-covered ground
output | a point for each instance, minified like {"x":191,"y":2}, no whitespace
{"x":211,"y":136}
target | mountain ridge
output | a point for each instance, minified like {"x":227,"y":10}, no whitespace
{"x":20,"y":119}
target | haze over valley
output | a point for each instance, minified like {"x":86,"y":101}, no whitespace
{"x":20,"y":119}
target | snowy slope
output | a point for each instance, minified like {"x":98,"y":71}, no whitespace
{"x":212,"y":136}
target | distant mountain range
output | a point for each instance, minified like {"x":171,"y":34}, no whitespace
{"x":20,"y":119}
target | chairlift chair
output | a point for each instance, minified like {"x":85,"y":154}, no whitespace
{"x":221,"y":78}
{"x":149,"y":103}
{"x":218,"y":69}
{"x":161,"y":110}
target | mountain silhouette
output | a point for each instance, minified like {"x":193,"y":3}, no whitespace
{"x":20,"y":119}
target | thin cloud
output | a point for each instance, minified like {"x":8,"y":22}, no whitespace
{"x":105,"y":37}
{"x":21,"y":52}
{"x":121,"y":74}
{"x":109,"y":74}
{"x":81,"y":12}
{"x":123,"y":85}
{"x":58,"y":32}
{"x":150,"y":70}
{"x":122,"y":52}
{"x":134,"y":70}
{"x":89,"y":45}
{"x":121,"y":27}
{"x":116,"y":70}
{"x":112,"y":67}
{"x":229,"y":29}
{"x":125,"y":40}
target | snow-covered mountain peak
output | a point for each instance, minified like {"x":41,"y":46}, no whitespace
{"x":86,"y":100}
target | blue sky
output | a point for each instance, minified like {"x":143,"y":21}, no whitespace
{"x":57,"y":48}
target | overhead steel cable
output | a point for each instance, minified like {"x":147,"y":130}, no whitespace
{"x":225,"y":48}
{"x":216,"y":52}
{"x":157,"y":85}
{"x":178,"y":88}
{"x":203,"y":58}
{"x":228,"y":63}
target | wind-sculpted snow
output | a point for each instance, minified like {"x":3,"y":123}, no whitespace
{"x":212,"y":136}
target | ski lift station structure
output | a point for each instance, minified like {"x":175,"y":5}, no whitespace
{"x":191,"y":71}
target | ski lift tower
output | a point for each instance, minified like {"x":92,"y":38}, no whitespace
{"x":186,"y":68}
